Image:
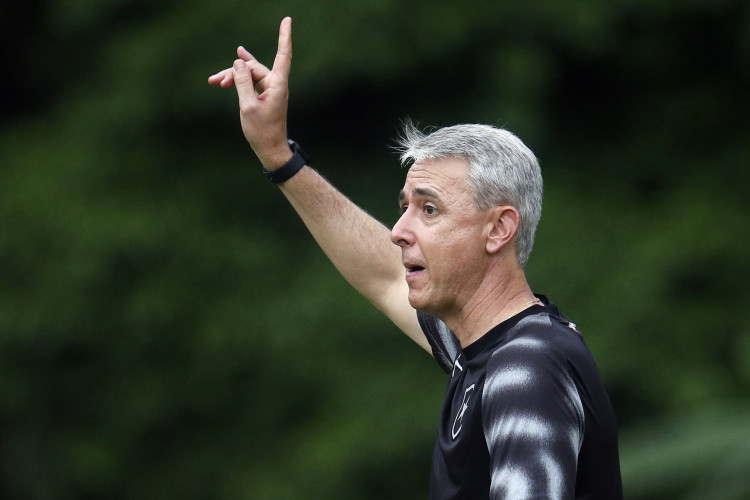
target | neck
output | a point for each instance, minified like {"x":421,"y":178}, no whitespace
{"x":496,"y":300}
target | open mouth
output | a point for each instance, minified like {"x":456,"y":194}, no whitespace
{"x":413,"y":269}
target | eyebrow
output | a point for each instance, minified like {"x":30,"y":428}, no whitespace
{"x":429,"y":193}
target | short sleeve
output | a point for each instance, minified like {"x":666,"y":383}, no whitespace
{"x":533,"y":422}
{"x":445,"y":346}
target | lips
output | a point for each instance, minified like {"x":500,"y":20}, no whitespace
{"x":413,"y":265}
{"x":412,"y":270}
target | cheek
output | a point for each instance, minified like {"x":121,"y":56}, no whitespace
{"x":452,"y":245}
{"x":466,"y":240}
{"x":457,"y":251}
{"x":468,"y":251}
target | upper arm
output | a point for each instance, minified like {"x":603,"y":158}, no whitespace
{"x":533,"y":423}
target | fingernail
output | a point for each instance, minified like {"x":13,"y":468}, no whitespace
{"x":239,"y":65}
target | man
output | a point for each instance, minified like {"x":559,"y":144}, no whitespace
{"x":525,"y":415}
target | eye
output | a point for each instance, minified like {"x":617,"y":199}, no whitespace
{"x":403,"y":208}
{"x":430,"y":209}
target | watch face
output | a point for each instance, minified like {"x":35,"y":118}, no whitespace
{"x":297,"y":149}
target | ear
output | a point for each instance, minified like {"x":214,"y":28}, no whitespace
{"x":503,"y":224}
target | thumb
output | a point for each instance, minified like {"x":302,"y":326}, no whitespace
{"x":243,"y":81}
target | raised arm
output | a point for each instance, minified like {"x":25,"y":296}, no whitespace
{"x":357,"y":244}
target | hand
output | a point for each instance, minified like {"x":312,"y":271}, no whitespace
{"x":263,"y":97}
{"x":225,"y":78}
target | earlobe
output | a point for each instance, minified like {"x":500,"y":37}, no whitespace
{"x":503,"y":225}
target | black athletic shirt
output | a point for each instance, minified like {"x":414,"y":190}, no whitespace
{"x":525,"y":416}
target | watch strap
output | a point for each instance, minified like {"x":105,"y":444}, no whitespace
{"x":285,"y":172}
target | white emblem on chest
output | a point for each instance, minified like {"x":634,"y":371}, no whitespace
{"x":459,"y":421}
{"x":456,"y":364}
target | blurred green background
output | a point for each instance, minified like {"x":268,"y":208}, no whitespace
{"x":168,"y":329}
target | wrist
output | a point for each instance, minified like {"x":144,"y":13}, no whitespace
{"x":272,"y":160}
{"x":294,"y":163}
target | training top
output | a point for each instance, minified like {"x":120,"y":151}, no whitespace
{"x":525,"y":416}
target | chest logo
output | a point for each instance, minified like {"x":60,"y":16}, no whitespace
{"x":459,"y":421}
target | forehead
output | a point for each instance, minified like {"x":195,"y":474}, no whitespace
{"x":441,"y":177}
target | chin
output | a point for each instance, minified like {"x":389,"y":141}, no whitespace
{"x":417,"y":303}
{"x":423,"y":304}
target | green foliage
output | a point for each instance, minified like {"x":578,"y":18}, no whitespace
{"x":169,"y":330}
{"x":703,"y":454}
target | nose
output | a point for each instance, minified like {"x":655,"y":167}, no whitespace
{"x":401,"y":234}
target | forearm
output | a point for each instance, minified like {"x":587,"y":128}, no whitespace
{"x":357,"y":244}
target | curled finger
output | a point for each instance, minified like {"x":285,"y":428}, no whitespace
{"x":243,"y":54}
{"x":223,"y":78}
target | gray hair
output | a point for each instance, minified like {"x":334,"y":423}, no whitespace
{"x":502,"y":170}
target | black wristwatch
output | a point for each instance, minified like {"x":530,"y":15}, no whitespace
{"x":285,"y":172}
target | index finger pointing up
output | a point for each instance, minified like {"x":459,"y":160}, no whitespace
{"x":283,"y":62}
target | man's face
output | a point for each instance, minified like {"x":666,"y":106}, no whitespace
{"x":442,"y":236}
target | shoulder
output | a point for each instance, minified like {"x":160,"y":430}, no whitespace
{"x":536,"y":364}
{"x":542,"y":338}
